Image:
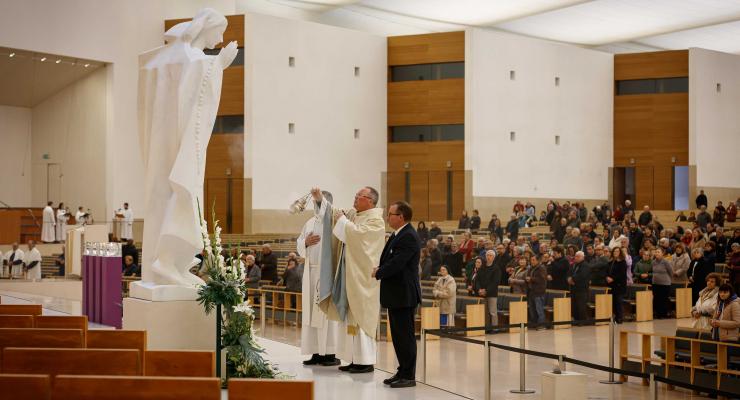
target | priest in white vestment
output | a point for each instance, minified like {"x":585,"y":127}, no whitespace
{"x":61,"y":229}
{"x":80,"y":217}
{"x":127,"y":225}
{"x":48,"y":233}
{"x":318,"y":333}
{"x":356,"y":294}
{"x":14,"y":259}
{"x":32,"y":262}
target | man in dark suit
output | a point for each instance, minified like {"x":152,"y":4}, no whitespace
{"x":578,"y":279}
{"x":400,"y":291}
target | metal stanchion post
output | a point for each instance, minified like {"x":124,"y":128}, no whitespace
{"x":522,"y":360}
{"x":612,"y":329}
{"x":487,"y":368}
{"x":423,"y":355}
{"x":263,"y":312}
{"x":653,"y":387}
{"x":561,"y":363}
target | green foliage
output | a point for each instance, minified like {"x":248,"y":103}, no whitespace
{"x":225,"y":286}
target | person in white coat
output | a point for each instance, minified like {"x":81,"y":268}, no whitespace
{"x":14,"y":259}
{"x":62,"y":217}
{"x":80,"y":217}
{"x":32,"y":262}
{"x":127,"y":225}
{"x":318,"y":333}
{"x":48,"y":233}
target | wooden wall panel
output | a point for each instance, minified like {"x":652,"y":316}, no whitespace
{"x":659,"y":64}
{"x":426,"y":102}
{"x":426,"y":156}
{"x":651,"y":128}
{"x":437,"y":195}
{"x":396,"y":182}
{"x":420,"y":194}
{"x":225,"y":151}
{"x":234,"y":31}
{"x":643,"y":187}
{"x":426,"y":49}
{"x":458,"y":194}
{"x":663,"y":187}
{"x":217,"y":193}
{"x":232,"y":92}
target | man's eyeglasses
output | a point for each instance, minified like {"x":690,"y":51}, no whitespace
{"x":390,"y":213}
{"x":357,"y":196}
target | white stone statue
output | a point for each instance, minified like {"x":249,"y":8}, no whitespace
{"x":179,"y":92}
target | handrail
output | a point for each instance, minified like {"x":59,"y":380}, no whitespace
{"x":448,"y":333}
{"x":35,"y":221}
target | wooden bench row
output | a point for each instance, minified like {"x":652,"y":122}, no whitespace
{"x":106,"y":387}
{"x":686,"y":357}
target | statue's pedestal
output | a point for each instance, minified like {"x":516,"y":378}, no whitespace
{"x":153,"y":292}
{"x":177,"y":324}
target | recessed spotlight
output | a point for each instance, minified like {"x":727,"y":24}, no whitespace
{"x":43,"y":59}
{"x":58,"y":61}
{"x":87,"y":65}
{"x":11,"y":55}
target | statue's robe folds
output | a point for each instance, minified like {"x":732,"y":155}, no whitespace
{"x":179,"y":92}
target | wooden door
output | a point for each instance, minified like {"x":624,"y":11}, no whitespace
{"x":643,"y":187}
{"x":663,"y":187}
{"x":618,"y":185}
{"x":437,"y":195}
{"x":419,"y":194}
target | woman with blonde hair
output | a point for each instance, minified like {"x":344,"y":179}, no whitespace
{"x":680,"y":263}
{"x":518,"y":279}
{"x":445,"y":291}
{"x":705,"y":306}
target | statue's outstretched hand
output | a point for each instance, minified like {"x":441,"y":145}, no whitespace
{"x":227,"y":54}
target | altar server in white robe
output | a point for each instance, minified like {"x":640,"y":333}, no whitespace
{"x":15,"y":261}
{"x":127,"y":227}
{"x":32,"y":261}
{"x":318,"y":247}
{"x":80,"y":217}
{"x":48,"y":233}
{"x":356,"y":294}
{"x":62,"y":218}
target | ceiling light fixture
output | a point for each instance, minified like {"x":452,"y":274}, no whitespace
{"x":43,"y":59}
{"x":11,"y":55}
{"x":87,"y":65}
{"x":58,"y":61}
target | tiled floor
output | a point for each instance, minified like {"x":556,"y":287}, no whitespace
{"x":454,"y":369}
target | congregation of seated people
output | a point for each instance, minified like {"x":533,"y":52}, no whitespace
{"x":591,"y":248}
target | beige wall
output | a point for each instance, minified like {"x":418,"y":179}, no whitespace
{"x":15,"y":162}
{"x":70,"y":128}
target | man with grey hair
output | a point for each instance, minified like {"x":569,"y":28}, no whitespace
{"x":268,"y":264}
{"x":486,"y":284}
{"x":355,"y":296}
{"x":578,"y":279}
{"x":318,"y":333}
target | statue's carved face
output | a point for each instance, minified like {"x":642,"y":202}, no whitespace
{"x":213,"y":36}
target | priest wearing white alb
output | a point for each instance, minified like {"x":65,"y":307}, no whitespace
{"x":319,"y":249}
{"x":32,"y":262}
{"x":356,"y":294}
{"x":62,"y":217}
{"x":127,"y":227}
{"x":80,"y":217}
{"x":14,"y":259}
{"x":48,"y":233}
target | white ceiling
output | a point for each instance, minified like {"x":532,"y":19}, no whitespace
{"x":609,"y":25}
{"x":26,"y":80}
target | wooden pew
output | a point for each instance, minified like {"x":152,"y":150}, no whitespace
{"x":61,"y":322}
{"x":430,"y":320}
{"x":259,"y":389}
{"x":25,"y":337}
{"x":16,"y":321}
{"x":58,"y":361}
{"x":683,"y":303}
{"x":182,"y":363}
{"x":116,"y":339}
{"x":475,"y":317}
{"x":24,"y":387}
{"x":68,"y":387}
{"x":20,"y":309}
